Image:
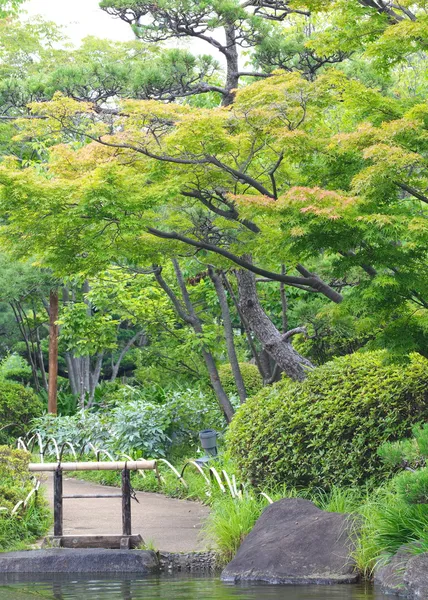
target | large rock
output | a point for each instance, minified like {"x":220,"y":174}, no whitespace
{"x":389,"y":576}
{"x":62,"y":560}
{"x":295,"y":542}
{"x":416,"y":577}
{"x":405,"y":574}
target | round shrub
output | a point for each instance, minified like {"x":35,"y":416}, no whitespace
{"x":327,"y":430}
{"x":18,"y":406}
{"x":250,"y":374}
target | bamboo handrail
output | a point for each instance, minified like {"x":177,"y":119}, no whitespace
{"x":131,"y":465}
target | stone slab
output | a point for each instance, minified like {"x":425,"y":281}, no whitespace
{"x":64,"y":560}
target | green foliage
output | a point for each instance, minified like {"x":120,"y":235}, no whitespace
{"x":127,"y":421}
{"x":15,"y":484}
{"x":230,"y":521}
{"x":21,"y":530}
{"x":411,"y":452}
{"x":18,"y":406}
{"x":250,"y":374}
{"x":327,"y":430}
{"x":15,"y":480}
{"x":14,"y":368}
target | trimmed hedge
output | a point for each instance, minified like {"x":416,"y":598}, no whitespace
{"x":18,"y":406}
{"x":250,"y":374}
{"x":327,"y":430}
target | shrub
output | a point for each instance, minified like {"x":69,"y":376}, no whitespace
{"x":14,"y":368}
{"x":15,"y":480}
{"x":15,"y":484}
{"x":137,"y":426}
{"x":18,"y":406}
{"x":250,"y":374}
{"x":326,"y":430}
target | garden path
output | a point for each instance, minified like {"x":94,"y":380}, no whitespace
{"x":171,"y":525}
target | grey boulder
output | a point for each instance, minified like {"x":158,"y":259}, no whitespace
{"x":389,"y":576}
{"x":405,"y":574}
{"x":62,"y":560}
{"x":294,"y":542}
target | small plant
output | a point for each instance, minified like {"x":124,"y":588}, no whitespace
{"x":148,"y":545}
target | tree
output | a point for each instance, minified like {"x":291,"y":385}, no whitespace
{"x":228,"y":27}
{"x":286,"y":175}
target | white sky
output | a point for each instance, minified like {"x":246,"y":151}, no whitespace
{"x":80,"y":18}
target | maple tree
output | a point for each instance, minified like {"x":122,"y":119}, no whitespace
{"x":317,"y":183}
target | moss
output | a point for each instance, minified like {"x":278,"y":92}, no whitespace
{"x":326,"y":430}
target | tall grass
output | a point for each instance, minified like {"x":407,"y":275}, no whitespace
{"x":230,"y":521}
{"x":17,"y":532}
{"x":387,"y":522}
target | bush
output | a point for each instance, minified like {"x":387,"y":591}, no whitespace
{"x":14,"y":368}
{"x":326,"y":431}
{"x":15,"y":480}
{"x":250,"y":374}
{"x":18,"y":406}
{"x":15,"y":484}
{"x":135,"y":425}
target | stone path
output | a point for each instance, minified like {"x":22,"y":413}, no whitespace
{"x":171,"y":525}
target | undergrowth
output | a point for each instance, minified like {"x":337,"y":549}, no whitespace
{"x":19,"y":531}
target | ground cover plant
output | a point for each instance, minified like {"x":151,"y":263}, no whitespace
{"x":127,"y":421}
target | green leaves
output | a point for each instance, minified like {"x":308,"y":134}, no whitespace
{"x":327,"y":430}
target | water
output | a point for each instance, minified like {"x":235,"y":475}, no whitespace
{"x":171,"y":588}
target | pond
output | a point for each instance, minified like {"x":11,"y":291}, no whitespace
{"x":172,"y":588}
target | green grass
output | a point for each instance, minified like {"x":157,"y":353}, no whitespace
{"x":230,"y":521}
{"x":20,"y":531}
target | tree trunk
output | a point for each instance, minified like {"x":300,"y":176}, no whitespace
{"x":186,"y":311}
{"x":232,"y":61}
{"x":291,"y":362}
{"x":41,"y":361}
{"x":53,"y":352}
{"x":228,"y":334}
{"x":123,"y":352}
{"x":73,"y":375}
{"x":246,"y":330}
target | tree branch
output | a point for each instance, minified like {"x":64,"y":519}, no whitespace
{"x":310,"y":281}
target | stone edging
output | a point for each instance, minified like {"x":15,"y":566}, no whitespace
{"x":191,"y":562}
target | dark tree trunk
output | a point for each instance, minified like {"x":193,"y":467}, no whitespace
{"x":246,"y":329}
{"x":228,"y":334}
{"x":53,"y":352}
{"x":232,"y":61}
{"x":276,"y":344}
{"x":31,"y":358}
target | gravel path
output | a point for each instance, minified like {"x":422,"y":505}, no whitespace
{"x":171,"y":525}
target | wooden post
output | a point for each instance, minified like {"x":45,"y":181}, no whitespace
{"x":53,"y":352}
{"x":126,"y":502}
{"x":58,"y":512}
